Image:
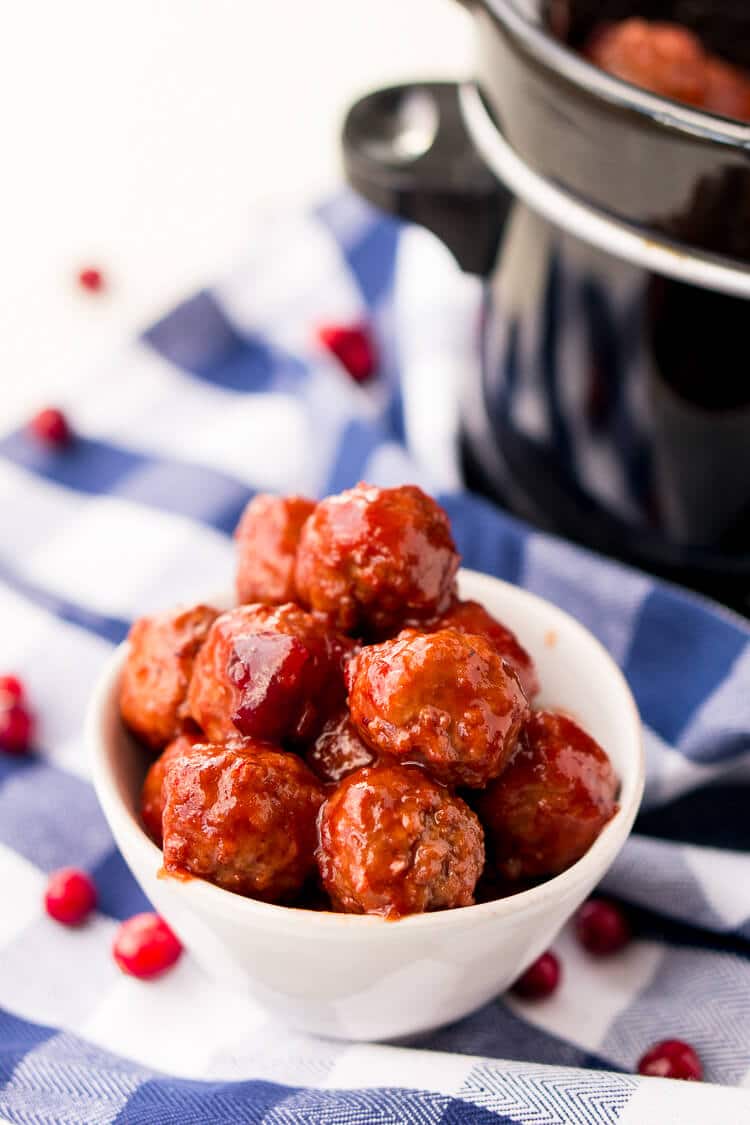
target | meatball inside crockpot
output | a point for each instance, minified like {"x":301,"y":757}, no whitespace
{"x":670,"y":60}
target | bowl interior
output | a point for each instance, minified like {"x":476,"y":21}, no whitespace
{"x":577,"y":676}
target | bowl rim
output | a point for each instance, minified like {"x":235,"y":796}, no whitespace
{"x":210,"y":899}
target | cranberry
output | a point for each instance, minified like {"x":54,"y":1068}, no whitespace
{"x":92,"y":279}
{"x":11,"y":690}
{"x":145,"y":947}
{"x":16,"y":729}
{"x":540,"y":979}
{"x":278,"y":674}
{"x":51,"y":427}
{"x":353,"y":346}
{"x":672,"y":1059}
{"x":70,"y":896}
{"x":602,"y":928}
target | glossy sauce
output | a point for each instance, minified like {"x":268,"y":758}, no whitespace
{"x":338,"y":750}
{"x":272,"y":672}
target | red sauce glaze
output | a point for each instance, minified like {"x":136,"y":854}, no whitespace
{"x":154,"y":685}
{"x":244,"y":818}
{"x":338,"y":750}
{"x":445,"y":700}
{"x":267,"y":538}
{"x":551,"y":802}
{"x":371,"y":557}
{"x":670,"y":60}
{"x":393,"y":842}
{"x":471,"y":617}
{"x":269,"y":672}
{"x":152,"y":793}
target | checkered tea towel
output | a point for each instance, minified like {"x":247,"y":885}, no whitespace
{"x":231,"y":393}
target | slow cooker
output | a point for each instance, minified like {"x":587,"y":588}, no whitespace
{"x":611,"y":403}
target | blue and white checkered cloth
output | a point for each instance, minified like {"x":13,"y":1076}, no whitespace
{"x":228,"y":394}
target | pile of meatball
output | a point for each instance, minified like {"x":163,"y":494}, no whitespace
{"x":352,"y":736}
{"x":670,"y":60}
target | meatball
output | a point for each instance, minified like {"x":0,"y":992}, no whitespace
{"x":268,"y":672}
{"x":267,"y":538}
{"x":728,"y":90}
{"x":551,"y":802}
{"x":338,"y":750}
{"x":471,"y":617}
{"x":670,"y":60}
{"x":661,"y":57}
{"x":394,"y":842}
{"x":371,"y":557}
{"x":157,"y":672}
{"x":152,"y":795}
{"x":244,"y":818}
{"x":445,"y":700}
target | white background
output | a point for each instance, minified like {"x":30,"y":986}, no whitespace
{"x":141,"y":136}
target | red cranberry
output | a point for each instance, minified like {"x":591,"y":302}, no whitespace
{"x":11,"y":690}
{"x":540,"y":979}
{"x":602,"y":928}
{"x":145,"y":947}
{"x":92,"y":279}
{"x":70,"y":896}
{"x":16,"y":729}
{"x":281,"y":678}
{"x":672,"y":1059}
{"x":353,"y":346}
{"x":51,"y":427}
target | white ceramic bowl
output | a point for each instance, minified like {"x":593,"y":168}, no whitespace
{"x":357,"y":977}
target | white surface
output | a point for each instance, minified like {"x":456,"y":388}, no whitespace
{"x":425,"y":970}
{"x":144,"y":137}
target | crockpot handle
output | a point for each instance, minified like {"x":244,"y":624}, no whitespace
{"x":407,"y":151}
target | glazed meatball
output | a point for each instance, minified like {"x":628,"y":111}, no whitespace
{"x":471,"y":617}
{"x":394,"y":842}
{"x":671,"y":61}
{"x":728,"y":90}
{"x":268,"y":672}
{"x":152,"y":793}
{"x":551,"y":802}
{"x":445,"y":700}
{"x":243,"y":818}
{"x":372,"y":557}
{"x":267,"y":538}
{"x":661,"y":57}
{"x":338,"y":750}
{"x":157,"y":672}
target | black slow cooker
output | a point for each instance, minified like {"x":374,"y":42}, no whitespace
{"x":612,"y":400}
